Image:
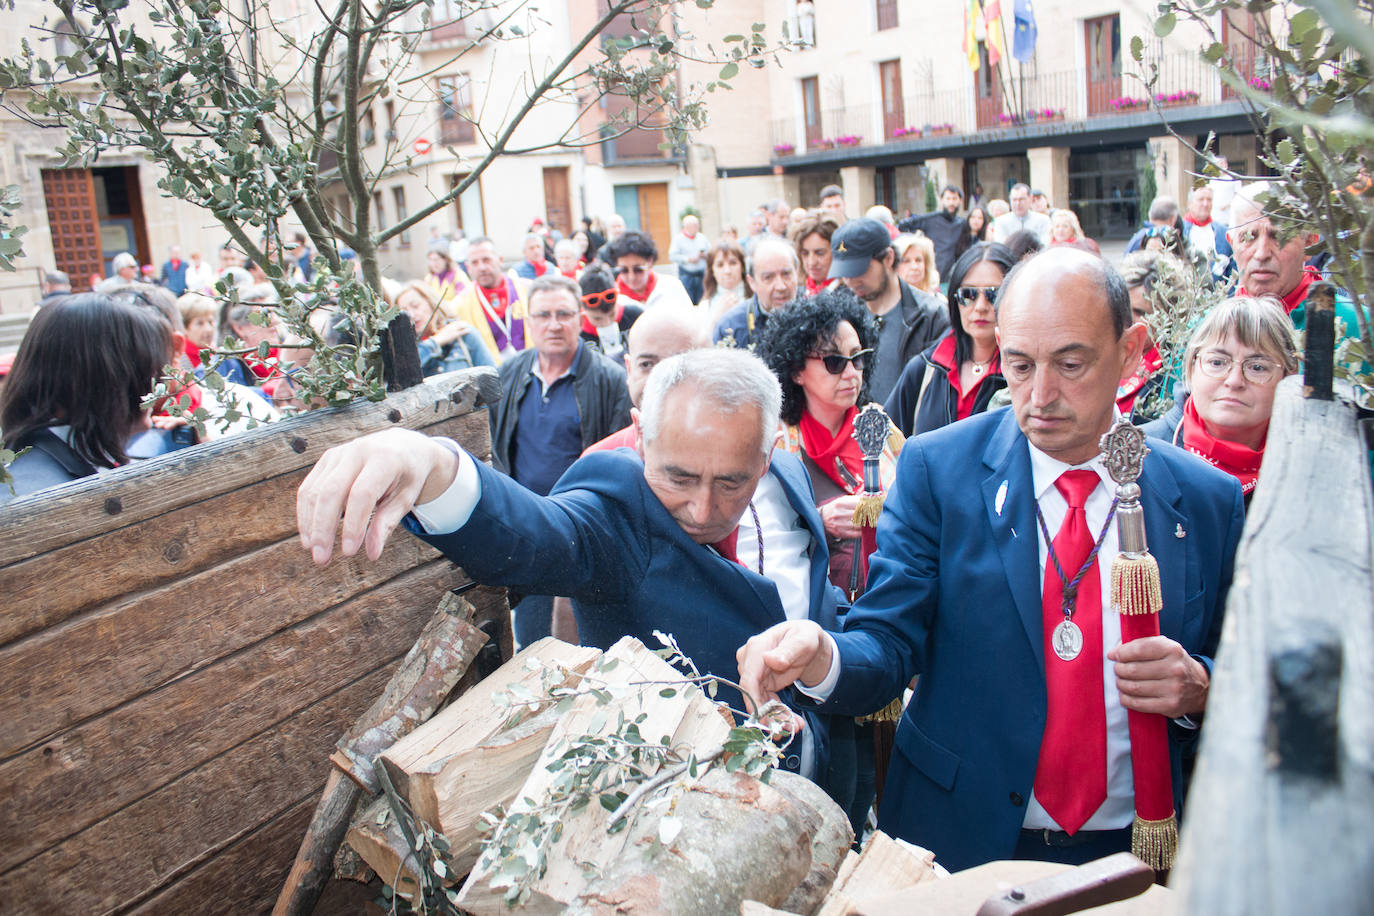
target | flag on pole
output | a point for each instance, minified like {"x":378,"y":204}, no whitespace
{"x":992,"y":21}
{"x":972,"y":16}
{"x":1023,"y":33}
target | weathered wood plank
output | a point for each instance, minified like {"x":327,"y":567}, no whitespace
{"x":1281,"y":803}
{"x":94,"y":505}
{"x":167,"y":547}
{"x":244,"y":878}
{"x":143,"y":642}
{"x":162,"y":836}
{"x":93,"y":770}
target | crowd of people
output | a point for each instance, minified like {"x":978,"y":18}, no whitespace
{"x":675,"y":449}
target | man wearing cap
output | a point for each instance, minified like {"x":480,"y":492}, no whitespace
{"x":908,"y":320}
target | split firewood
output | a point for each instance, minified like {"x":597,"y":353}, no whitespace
{"x":377,"y":838}
{"x":421,"y":682}
{"x":885,"y":867}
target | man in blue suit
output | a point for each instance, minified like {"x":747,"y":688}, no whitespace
{"x":705,"y":533}
{"x":965,"y":593}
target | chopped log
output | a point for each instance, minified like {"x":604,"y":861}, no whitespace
{"x":885,"y":866}
{"x":969,"y":891}
{"x":830,"y":840}
{"x":686,"y":717}
{"x":442,"y":768}
{"x":434,"y":664}
{"x":376,"y":836}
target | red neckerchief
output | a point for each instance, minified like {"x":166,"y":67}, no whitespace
{"x":638,"y":297}
{"x":1235,"y":459}
{"x":499,"y":298}
{"x":965,"y":400}
{"x":1130,"y":387}
{"x":570,"y":274}
{"x":726,"y":546}
{"x":539,"y":266}
{"x":1298,"y":294}
{"x":263,"y":369}
{"x":193,"y":354}
{"x":1205,"y":222}
{"x":823,"y":448}
{"x":812,"y":287}
{"x":589,"y":328}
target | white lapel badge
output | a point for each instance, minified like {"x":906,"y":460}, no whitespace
{"x":1179,"y":532}
{"x":1001,"y":498}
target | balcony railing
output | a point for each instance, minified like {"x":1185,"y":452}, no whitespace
{"x":1184,"y":80}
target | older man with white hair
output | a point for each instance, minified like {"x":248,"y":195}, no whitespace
{"x":705,"y":532}
{"x":774,"y":270}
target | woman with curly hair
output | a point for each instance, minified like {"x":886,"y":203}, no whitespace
{"x":958,"y":375}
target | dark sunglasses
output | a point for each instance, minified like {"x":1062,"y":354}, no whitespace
{"x":835,"y":363}
{"x":602,"y":300}
{"x":969,"y":294}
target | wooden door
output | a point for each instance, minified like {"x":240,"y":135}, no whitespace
{"x":1104,"y":62}
{"x":890,"y":78}
{"x":811,"y":109}
{"x":557,"y":206}
{"x":1237,"y":34}
{"x":988,"y":84}
{"x":886,"y":14}
{"x":653,"y":216}
{"x":69,"y":195}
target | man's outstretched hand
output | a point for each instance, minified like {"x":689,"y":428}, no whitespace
{"x":371,"y":483}
{"x":783,"y":653}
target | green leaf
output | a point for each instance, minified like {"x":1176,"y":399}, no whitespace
{"x":1165,"y":24}
{"x":1214,"y":52}
{"x":1137,"y":48}
{"x":729,"y":71}
{"x":733,"y":38}
{"x":1287,"y":151}
{"x":667,"y":693}
{"x":1302,"y":23}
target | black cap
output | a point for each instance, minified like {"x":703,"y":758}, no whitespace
{"x":855,"y":244}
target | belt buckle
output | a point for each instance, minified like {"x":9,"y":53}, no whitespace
{"x":1049,"y":841}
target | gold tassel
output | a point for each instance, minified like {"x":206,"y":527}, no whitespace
{"x":1135,"y":585}
{"x":1155,"y":842}
{"x":868,"y":510}
{"x":892,"y":712}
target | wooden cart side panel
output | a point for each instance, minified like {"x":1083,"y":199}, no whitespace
{"x":47,"y":520}
{"x":93,"y":770}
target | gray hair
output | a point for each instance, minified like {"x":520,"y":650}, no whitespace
{"x":1163,"y":209}
{"x":564,"y":246}
{"x":555,"y":283}
{"x":1258,"y":323}
{"x":726,"y":377}
{"x":767,"y":245}
{"x":57,"y":278}
{"x":122,"y":260}
{"x":1250,"y":195}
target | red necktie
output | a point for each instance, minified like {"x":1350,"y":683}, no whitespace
{"x":726,"y":546}
{"x":1071,"y":776}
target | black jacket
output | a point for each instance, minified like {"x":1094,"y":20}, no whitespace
{"x":603,"y":400}
{"x":924,"y":321}
{"x":946,"y":231}
{"x":739,"y":326}
{"x":913,"y":413}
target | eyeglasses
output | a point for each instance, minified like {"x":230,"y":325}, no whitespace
{"x":638,"y":270}
{"x":968,"y":295}
{"x":835,"y":363}
{"x":599,"y":301}
{"x":1256,"y":369}
{"x":562,"y":315}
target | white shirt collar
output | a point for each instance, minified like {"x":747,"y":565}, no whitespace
{"x":1045,"y":470}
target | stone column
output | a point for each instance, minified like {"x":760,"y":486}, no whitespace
{"x":857,"y":181}
{"x":1173,"y":162}
{"x":948,"y":170}
{"x":1049,"y":172}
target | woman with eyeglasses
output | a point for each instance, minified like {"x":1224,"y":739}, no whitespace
{"x":957,"y":376}
{"x":1235,"y":359}
{"x":606,"y":316}
{"x":74,"y":395}
{"x":821,"y":349}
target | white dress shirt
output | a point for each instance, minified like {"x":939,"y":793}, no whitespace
{"x":1119,"y":808}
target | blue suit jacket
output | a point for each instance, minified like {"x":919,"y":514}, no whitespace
{"x":954,"y":596}
{"x":603,"y":539}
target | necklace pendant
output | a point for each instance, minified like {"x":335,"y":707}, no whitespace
{"x":979,"y":368}
{"x":1067,"y":640}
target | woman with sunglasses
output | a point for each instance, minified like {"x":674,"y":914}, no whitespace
{"x":606,"y":316}
{"x":1235,"y":359}
{"x":821,"y":349}
{"x":957,"y":376}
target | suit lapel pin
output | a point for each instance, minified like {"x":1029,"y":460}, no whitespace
{"x":1001,"y":498}
{"x":1179,"y":532}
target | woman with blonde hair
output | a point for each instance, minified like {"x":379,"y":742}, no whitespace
{"x":1236,"y":357}
{"x":1066,"y":230}
{"x":916,"y":262}
{"x":445,"y":344}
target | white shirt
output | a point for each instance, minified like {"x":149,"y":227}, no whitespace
{"x":669,"y":291}
{"x":1008,"y":224}
{"x":1119,"y":808}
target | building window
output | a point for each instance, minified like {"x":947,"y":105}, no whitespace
{"x":811,"y":109}
{"x":380,"y":216}
{"x":455,"y":110}
{"x":446,"y":21}
{"x":390,"y":122}
{"x":369,"y":128}
{"x":886,"y":14}
{"x":398,"y":202}
{"x":804,"y":16}
{"x":468,"y":208}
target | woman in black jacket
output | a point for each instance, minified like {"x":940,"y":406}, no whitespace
{"x":957,"y":376}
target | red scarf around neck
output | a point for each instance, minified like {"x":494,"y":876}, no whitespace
{"x":540,"y":267}
{"x":1205,"y":222}
{"x":1131,"y":386}
{"x":1235,"y":459}
{"x":589,"y":328}
{"x":1298,"y":294}
{"x":824,"y":448}
{"x":638,"y":297}
{"x":499,"y":298}
{"x":812,"y":287}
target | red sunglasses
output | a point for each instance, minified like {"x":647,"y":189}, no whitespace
{"x":602,"y":300}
